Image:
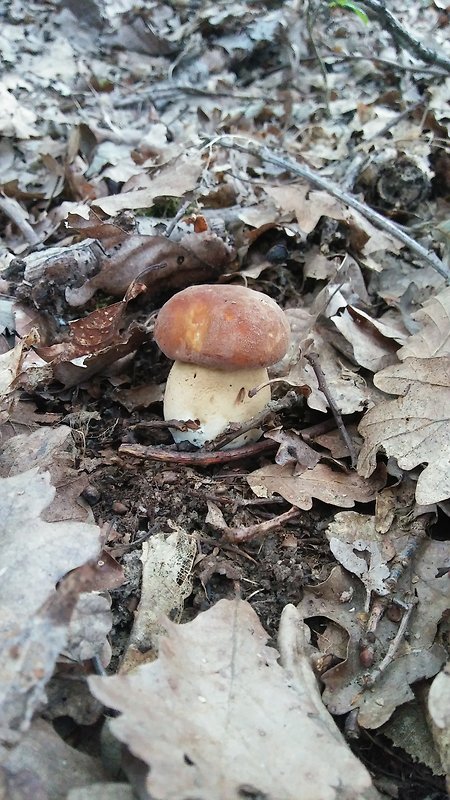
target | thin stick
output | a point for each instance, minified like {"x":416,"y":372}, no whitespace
{"x":234,"y":430}
{"x":195,"y":459}
{"x":14,"y":211}
{"x":245,"y":534}
{"x":310,"y":13}
{"x":313,"y":359}
{"x":403,"y":38}
{"x":180,"y":213}
{"x":253,"y":148}
{"x":371,"y":677}
{"x":386,"y":62}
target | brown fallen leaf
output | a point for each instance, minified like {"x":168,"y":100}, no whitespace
{"x":33,"y":616}
{"x":43,"y":766}
{"x":349,"y":390}
{"x":341,"y":599}
{"x":374,"y":343}
{"x":293,"y":450}
{"x":51,"y":449}
{"x":414,"y":428}
{"x":174,"y":179}
{"x":93,"y":343}
{"x":215,"y":685}
{"x":433,"y":340}
{"x":355,"y":543}
{"x":162,"y":265}
{"x":333,"y":486}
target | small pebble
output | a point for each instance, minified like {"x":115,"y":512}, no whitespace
{"x":91,"y":494}
{"x":119,"y":508}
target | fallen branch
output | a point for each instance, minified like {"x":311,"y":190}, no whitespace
{"x":242,"y":534}
{"x":289,"y":401}
{"x":317,"y":180}
{"x":14,"y":211}
{"x":313,"y":359}
{"x":402,"y":37}
{"x":198,"y":458}
{"x":372,"y":677}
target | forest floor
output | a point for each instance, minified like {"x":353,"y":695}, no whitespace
{"x":269,"y":621}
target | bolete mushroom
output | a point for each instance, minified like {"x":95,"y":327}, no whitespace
{"x":222,"y":339}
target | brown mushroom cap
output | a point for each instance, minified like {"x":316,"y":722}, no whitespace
{"x":223,"y":327}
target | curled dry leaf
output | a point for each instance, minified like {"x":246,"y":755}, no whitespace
{"x":43,"y":766}
{"x":162,"y":265}
{"x":10,"y":367}
{"x":94,"y":343}
{"x":173,"y":180}
{"x":349,"y":390}
{"x":216,"y":684}
{"x":433,"y":340}
{"x":414,"y":428}
{"x":374,"y":342}
{"x":51,"y":449}
{"x":363,"y":551}
{"x":337,"y":487}
{"x":341,"y":599}
{"x":293,"y":449}
{"x":166,"y":583}
{"x":33,"y":617}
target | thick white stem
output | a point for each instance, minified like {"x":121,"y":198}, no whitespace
{"x":215,"y":398}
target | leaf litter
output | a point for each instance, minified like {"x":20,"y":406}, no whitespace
{"x":290,"y":149}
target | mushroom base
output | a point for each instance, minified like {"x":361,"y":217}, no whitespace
{"x":214,"y":398}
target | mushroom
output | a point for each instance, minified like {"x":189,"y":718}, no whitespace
{"x":222,"y":339}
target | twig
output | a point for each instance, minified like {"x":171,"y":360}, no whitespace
{"x":14,"y":211}
{"x":386,"y":62}
{"x":313,"y":359}
{"x":371,"y":677}
{"x":253,"y":148}
{"x":176,"y":424}
{"x":418,"y":531}
{"x":245,"y":534}
{"x":234,"y":429}
{"x":310,"y":27}
{"x":195,"y":459}
{"x":393,"y":122}
{"x":403,"y":38}
{"x":309,"y":435}
{"x":180,"y":213}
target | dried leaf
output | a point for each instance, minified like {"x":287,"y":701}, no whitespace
{"x":174,"y":180}
{"x":342,"y":599}
{"x":166,"y":583}
{"x":374,"y":343}
{"x":220,"y":682}
{"x":333,"y":486}
{"x":414,"y":428}
{"x":43,"y":766}
{"x":33,"y":617}
{"x":433,"y":340}
{"x":161,"y":265}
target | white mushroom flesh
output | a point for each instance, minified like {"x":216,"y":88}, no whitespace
{"x":215,"y":398}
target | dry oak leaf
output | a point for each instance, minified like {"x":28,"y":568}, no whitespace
{"x":414,"y":428}
{"x":34,"y":617}
{"x":217,"y":717}
{"x":173,"y":180}
{"x":333,"y":486}
{"x":433,"y":339}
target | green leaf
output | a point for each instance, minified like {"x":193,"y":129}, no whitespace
{"x":350,"y":6}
